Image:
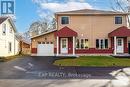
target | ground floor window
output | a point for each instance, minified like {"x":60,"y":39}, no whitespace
{"x":39,"y":42}
{"x":102,"y":43}
{"x":10,"y":47}
{"x":82,"y":44}
{"x":106,"y":43}
{"x":77,"y":44}
{"x":45,"y":42}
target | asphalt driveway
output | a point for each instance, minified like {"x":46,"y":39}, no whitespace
{"x":42,"y":68}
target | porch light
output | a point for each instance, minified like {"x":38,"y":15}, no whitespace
{"x":82,"y":35}
{"x":45,"y":39}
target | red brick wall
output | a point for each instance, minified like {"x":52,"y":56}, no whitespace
{"x":34,"y":50}
{"x":125,"y":45}
{"x":94,"y":51}
{"x":55,"y":50}
{"x":70,"y":45}
{"x":112,"y":43}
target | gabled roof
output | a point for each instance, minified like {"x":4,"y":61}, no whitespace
{"x":2,"y":19}
{"x":50,"y":31}
{"x":91,"y":12}
{"x":66,"y":32}
{"x":120,"y":32}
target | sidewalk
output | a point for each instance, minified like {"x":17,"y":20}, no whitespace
{"x":64,"y":83}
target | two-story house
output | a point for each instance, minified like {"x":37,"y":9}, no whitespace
{"x":9,"y":44}
{"x":85,"y":32}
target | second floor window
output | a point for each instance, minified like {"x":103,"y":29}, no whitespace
{"x":4,"y":29}
{"x":11,"y":30}
{"x":64,"y":20}
{"x":118,"y":20}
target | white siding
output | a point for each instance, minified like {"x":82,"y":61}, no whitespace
{"x":5,"y":39}
{"x":17,"y":46}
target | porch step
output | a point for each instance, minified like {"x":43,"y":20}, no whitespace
{"x":66,"y":55}
{"x":121,"y":56}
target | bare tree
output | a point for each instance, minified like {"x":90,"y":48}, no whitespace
{"x":121,"y":5}
{"x":41,"y":26}
{"x":53,"y":23}
{"x":34,"y":28}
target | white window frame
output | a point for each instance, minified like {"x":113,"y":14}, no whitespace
{"x":77,"y":43}
{"x":11,"y":30}
{"x":61,"y":20}
{"x":103,"y":44}
{"x":83,"y":43}
{"x":88,"y":44}
{"x":4,"y":28}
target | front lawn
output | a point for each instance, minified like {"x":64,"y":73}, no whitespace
{"x":5,"y":59}
{"x":93,"y":61}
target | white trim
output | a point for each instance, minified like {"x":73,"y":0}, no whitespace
{"x":99,"y":12}
{"x":99,"y":43}
{"x":50,"y":31}
{"x":57,"y":38}
{"x":103,"y":43}
{"x":115,"y":43}
{"x":73,"y":45}
{"x":80,"y":43}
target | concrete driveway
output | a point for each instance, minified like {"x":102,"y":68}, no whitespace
{"x":42,"y":68}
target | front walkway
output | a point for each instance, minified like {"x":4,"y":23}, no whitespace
{"x":124,"y":55}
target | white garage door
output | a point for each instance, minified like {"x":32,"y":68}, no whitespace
{"x":45,"y":50}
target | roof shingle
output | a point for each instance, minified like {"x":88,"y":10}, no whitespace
{"x":2,"y":19}
{"x":120,"y":32}
{"x":91,"y":12}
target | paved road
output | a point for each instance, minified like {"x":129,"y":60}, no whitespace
{"x":42,"y":68}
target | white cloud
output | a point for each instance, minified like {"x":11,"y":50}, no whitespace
{"x":58,"y":7}
{"x":47,"y":7}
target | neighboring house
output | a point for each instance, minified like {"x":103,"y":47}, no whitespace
{"x":25,"y":47}
{"x":9,"y":44}
{"x":84,"y":32}
{"x":24,"y":44}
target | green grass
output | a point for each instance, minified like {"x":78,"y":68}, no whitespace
{"x":93,"y":61}
{"x":9,"y":58}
